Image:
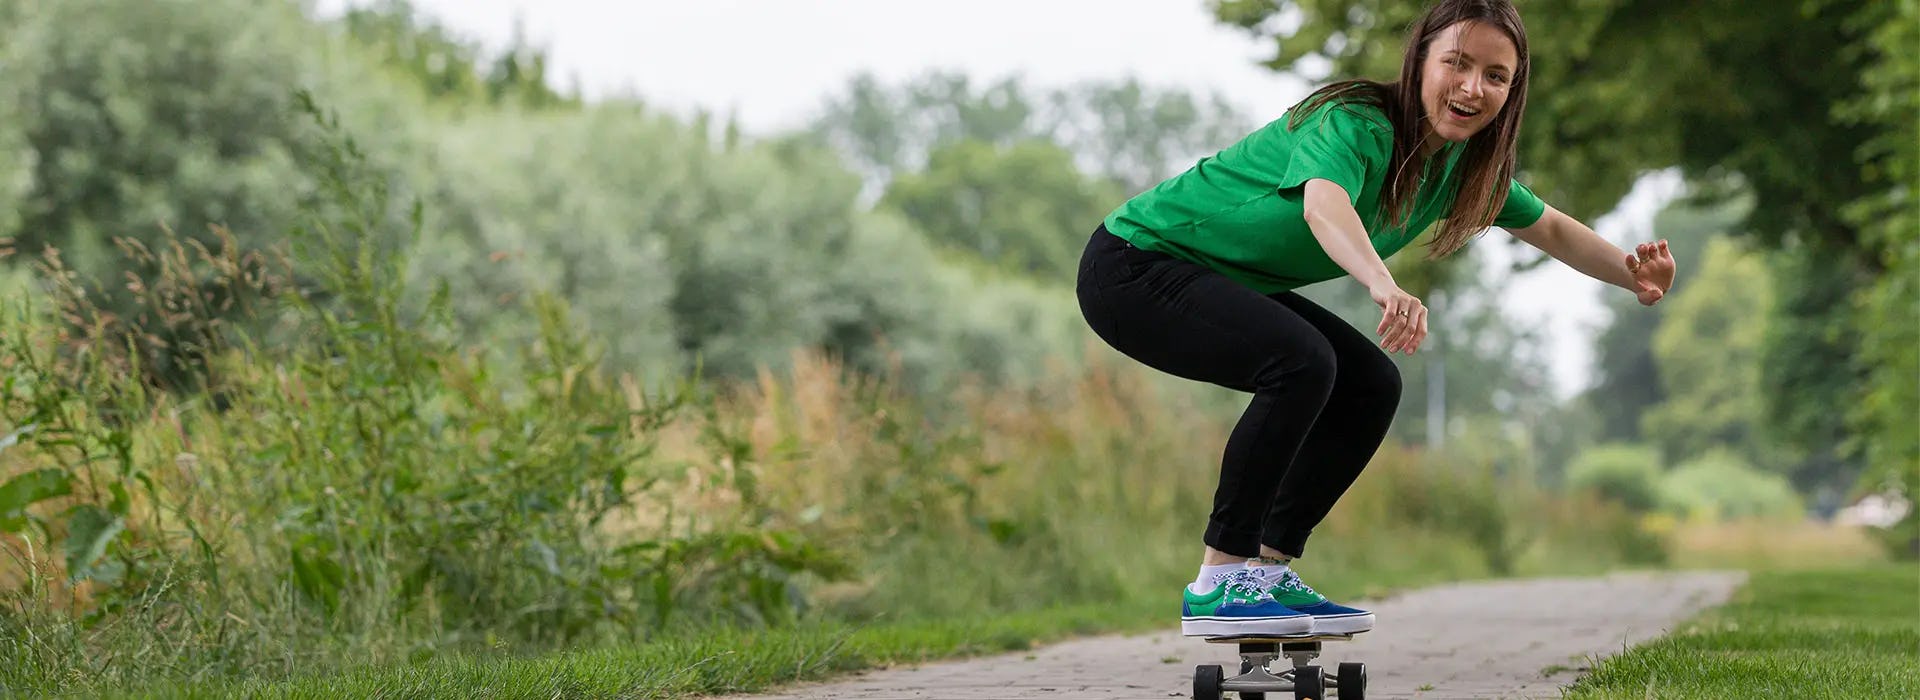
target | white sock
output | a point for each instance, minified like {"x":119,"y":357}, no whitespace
{"x":1209,"y":575}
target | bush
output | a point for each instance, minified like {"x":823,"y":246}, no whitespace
{"x":1625,"y":474}
{"x":1720,"y":486}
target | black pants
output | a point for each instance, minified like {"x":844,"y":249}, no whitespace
{"x":1323,"y":393}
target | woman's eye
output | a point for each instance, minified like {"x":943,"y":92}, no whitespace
{"x":1498,"y":78}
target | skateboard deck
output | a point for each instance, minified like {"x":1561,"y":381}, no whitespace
{"x":1284,"y":639}
{"x":1259,"y":674}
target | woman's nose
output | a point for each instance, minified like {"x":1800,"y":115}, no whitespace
{"x":1472,"y":86}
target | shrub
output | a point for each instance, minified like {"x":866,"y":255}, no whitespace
{"x":1625,"y":474}
{"x":1721,"y":486}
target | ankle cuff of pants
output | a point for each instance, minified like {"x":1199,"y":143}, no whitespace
{"x":1239,"y":543}
{"x":1293,"y":544}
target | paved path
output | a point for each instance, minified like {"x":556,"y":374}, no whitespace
{"x":1499,"y":639}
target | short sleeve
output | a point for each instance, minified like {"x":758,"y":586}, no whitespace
{"x":1523,"y":208}
{"x":1338,"y":145}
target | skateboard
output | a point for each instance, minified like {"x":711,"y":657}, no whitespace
{"x":1305,"y":680}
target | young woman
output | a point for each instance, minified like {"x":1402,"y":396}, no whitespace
{"x":1194,"y":278}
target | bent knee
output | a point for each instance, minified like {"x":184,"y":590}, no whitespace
{"x":1309,"y":365}
{"x":1376,"y":377}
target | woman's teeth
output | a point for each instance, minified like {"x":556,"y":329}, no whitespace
{"x":1461,"y":110}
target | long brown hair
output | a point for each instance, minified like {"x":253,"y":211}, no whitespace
{"x":1488,"y":163}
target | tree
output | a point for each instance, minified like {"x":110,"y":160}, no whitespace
{"x":123,"y":119}
{"x":452,"y":70}
{"x":1808,"y":353}
{"x":16,"y":157}
{"x":132,"y":129}
{"x":1708,"y":347}
{"x":1883,"y":419}
{"x":1023,"y":207}
{"x":884,"y":130}
{"x":1627,"y":377}
{"x":1139,"y":135}
{"x":1122,"y":130}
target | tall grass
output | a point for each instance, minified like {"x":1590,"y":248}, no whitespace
{"x":324,"y":476}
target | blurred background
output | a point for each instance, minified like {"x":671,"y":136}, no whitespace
{"x":345,"y":332}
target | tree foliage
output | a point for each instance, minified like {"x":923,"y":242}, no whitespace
{"x":683,"y":254}
{"x":679,"y":252}
{"x":449,"y":68}
{"x":1890,"y":219}
{"x":131,"y":129}
{"x":1708,"y":348}
{"x":1627,"y":376}
{"x":1122,"y":130}
{"x":1023,"y":207}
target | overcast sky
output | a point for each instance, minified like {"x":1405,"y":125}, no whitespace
{"x":773,"y":61}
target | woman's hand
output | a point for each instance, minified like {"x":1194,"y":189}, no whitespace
{"x":1652,"y":268}
{"x":1403,"y":321}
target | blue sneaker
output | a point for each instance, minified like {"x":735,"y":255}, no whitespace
{"x":1239,"y":605}
{"x":1328,"y":617}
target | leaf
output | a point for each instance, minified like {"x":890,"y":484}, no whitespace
{"x":320,"y":579}
{"x":120,"y":503}
{"x":89,"y":530}
{"x":26,"y":489}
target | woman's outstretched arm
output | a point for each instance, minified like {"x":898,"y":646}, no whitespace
{"x":1647,"y":272}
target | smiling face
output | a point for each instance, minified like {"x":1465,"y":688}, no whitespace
{"x":1464,"y":80}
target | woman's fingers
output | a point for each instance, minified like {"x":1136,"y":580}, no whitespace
{"x":1403,"y":327}
{"x":1419,"y":331}
{"x":1415,"y":331}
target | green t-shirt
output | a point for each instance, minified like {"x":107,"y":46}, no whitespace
{"x":1239,"y":212}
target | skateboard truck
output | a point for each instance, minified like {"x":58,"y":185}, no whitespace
{"x":1305,"y":680}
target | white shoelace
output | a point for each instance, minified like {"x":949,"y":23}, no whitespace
{"x":1246,"y":581}
{"x":1288,"y":580}
{"x":1291,"y":581}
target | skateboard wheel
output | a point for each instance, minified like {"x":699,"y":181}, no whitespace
{"x":1309,"y":683}
{"x":1206,"y":682}
{"x":1352,"y":681}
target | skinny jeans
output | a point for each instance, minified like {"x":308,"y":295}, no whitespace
{"x":1323,"y":393}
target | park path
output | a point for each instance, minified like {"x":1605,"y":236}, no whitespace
{"x":1495,"y":639}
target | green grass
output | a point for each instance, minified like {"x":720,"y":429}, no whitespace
{"x":731,"y":659}
{"x":1836,"y":633}
{"x":713,"y":662}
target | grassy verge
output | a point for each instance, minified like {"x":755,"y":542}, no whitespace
{"x":1839,"y":633}
{"x":716,"y":661}
{"x":732,"y":659}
